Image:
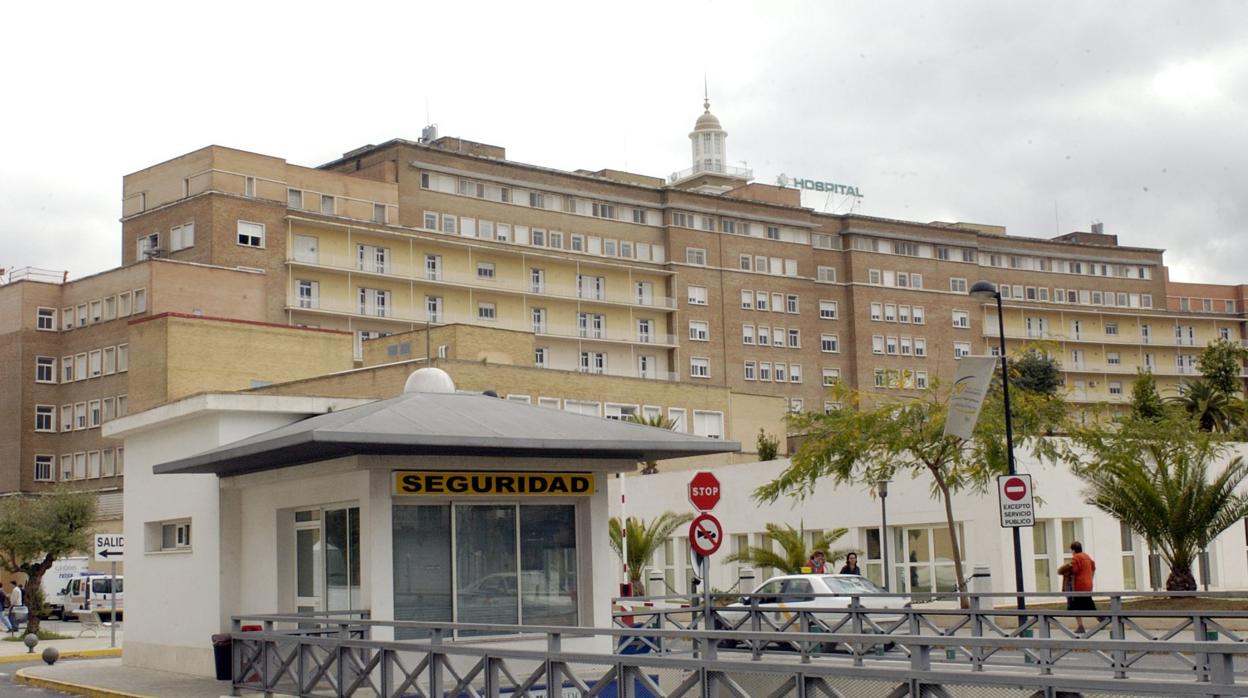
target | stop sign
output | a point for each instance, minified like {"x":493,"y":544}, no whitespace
{"x":704,"y":491}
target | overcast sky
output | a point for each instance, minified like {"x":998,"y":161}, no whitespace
{"x":1040,"y":117}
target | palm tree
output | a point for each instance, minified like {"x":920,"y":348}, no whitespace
{"x":651,"y":467}
{"x":1214,"y":408}
{"x":794,"y":553}
{"x":1154,"y":477}
{"x":643,"y":539}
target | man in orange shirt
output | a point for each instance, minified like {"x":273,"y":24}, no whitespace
{"x":1077,"y":576}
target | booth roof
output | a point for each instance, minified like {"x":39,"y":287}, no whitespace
{"x":444,"y":424}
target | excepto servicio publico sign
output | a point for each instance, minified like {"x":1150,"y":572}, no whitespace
{"x":1018,"y":508}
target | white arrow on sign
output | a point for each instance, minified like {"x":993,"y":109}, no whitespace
{"x":110,"y":547}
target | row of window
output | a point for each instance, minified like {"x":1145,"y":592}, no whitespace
{"x":84,"y":465}
{"x":1206,"y":305}
{"x":775,"y":266}
{"x":734,"y":226}
{"x":93,"y":312}
{"x":762,"y":335}
{"x":1040,"y":294}
{"x":894,"y":279}
{"x":898,"y":312}
{"x":776,"y":302}
{"x":325,"y":203}
{"x":777,"y":371}
{"x":1001,"y":259}
{"x":80,"y":415}
{"x":180,"y":238}
{"x":537,"y":237}
{"x":566,"y":203}
{"x":901,"y":346}
{"x":900,"y":379}
{"x":89,"y":364}
{"x":708,"y":423}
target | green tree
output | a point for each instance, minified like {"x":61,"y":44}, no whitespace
{"x":860,"y":444}
{"x":1036,"y":371}
{"x":793,"y":551}
{"x":768,"y":446}
{"x":658,"y":421}
{"x":1146,"y":403}
{"x":37,"y":530}
{"x":643,"y":539}
{"x":1211,"y":407}
{"x":1221,"y":362}
{"x":1154,"y":475}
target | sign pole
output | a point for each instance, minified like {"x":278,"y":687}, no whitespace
{"x":706,"y":594}
{"x":112,"y":592}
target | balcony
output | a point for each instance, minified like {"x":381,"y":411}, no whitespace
{"x":726,"y":170}
{"x":1090,"y":337}
{"x":623,"y":296}
{"x":519,"y":324}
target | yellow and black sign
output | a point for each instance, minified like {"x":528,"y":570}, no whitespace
{"x":525,"y":484}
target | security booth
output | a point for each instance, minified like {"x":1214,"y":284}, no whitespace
{"x":431,"y":506}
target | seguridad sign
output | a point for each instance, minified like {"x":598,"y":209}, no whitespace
{"x":523,"y":484}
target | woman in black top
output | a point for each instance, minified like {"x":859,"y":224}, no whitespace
{"x":851,"y":565}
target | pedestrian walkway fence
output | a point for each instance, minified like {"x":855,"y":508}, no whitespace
{"x":664,"y":652}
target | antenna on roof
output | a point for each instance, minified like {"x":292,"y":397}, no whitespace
{"x":706,"y":93}
{"x":429,"y":133}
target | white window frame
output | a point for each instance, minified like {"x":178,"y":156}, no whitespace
{"x":699,"y":367}
{"x":252,"y":238}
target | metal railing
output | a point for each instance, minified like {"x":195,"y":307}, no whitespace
{"x":333,"y":655}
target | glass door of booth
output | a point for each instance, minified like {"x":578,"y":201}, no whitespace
{"x":327,"y":559}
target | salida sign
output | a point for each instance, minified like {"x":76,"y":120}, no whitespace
{"x":1017,"y":507}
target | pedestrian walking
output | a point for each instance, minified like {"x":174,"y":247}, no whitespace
{"x":1077,"y":576}
{"x":17,"y":608}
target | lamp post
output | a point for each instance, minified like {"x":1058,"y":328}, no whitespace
{"x":983,"y":291}
{"x":881,"y":488}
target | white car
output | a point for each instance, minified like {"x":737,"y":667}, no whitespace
{"x":824,"y":595}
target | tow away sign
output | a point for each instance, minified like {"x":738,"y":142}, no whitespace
{"x":110,"y":547}
{"x":1017,"y":507}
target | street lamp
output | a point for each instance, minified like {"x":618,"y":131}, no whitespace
{"x":984,"y":291}
{"x":881,"y":488}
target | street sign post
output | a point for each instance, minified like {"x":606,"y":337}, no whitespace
{"x":704,"y":491}
{"x":1017,"y":506}
{"x":111,"y":548}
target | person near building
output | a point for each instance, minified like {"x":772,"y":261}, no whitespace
{"x":851,"y":565}
{"x":818,"y":562}
{"x":1077,"y":576}
{"x":5,"y":621}
{"x":15,"y":602}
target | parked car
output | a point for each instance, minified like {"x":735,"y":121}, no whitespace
{"x":824,"y":594}
{"x":92,"y":592}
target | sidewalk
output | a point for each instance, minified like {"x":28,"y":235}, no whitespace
{"x":107,"y":678}
{"x":85,"y":646}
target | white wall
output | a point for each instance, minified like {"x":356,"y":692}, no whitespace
{"x":910,"y":503}
{"x":173,"y":599}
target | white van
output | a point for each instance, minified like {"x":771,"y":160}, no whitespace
{"x":56,"y":580}
{"x":92,"y":592}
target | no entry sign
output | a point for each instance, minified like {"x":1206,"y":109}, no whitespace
{"x":704,"y":491}
{"x":705,"y":534}
{"x":1017,"y":507}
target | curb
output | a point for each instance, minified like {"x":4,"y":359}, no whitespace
{"x":67,"y":654}
{"x":72,"y":688}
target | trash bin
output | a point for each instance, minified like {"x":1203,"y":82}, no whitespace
{"x":221,"y":646}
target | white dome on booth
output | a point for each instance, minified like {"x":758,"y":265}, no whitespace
{"x":429,"y":380}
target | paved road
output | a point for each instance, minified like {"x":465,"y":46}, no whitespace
{"x":9,"y":689}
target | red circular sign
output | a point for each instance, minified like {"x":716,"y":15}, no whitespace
{"x":704,"y":491}
{"x":1015,"y":488}
{"x":705,"y":534}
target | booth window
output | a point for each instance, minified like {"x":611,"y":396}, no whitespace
{"x":168,"y":536}
{"x":499,"y":564}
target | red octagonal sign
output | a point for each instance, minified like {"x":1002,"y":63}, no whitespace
{"x":1015,"y":488}
{"x":704,"y":491}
